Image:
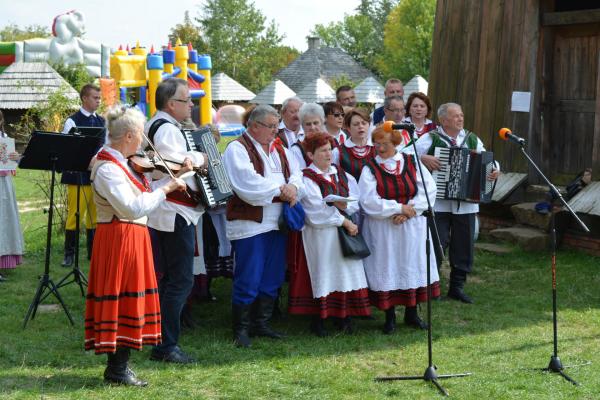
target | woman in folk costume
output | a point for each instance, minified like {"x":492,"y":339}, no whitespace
{"x":339,"y":285}
{"x":312,"y":120}
{"x":418,"y":112}
{"x":392,"y":195}
{"x":122,"y":310}
{"x":11,"y":236}
{"x":357,"y":151}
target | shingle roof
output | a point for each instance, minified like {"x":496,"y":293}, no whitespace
{"x":316,"y":91}
{"x":369,"y":91}
{"x":321,"y":62}
{"x":416,"y":84}
{"x":26,"y":84}
{"x":274,"y":93}
{"x":225,"y":88}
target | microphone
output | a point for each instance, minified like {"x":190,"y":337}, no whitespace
{"x":389,"y":126}
{"x":506,"y":134}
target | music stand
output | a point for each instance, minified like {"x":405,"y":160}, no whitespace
{"x":50,"y":151}
{"x":75,"y":274}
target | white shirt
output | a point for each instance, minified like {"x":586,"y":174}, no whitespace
{"x":170,"y":143}
{"x":258,"y":190}
{"x":335,"y":153}
{"x":441,"y":205}
{"x":112,"y":184}
{"x":291,"y":136}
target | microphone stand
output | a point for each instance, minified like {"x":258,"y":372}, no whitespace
{"x":555,"y":364}
{"x":430,"y":374}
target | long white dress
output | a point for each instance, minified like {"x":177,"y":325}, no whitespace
{"x":398,"y":259}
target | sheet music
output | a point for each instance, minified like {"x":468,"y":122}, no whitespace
{"x":7,"y":146}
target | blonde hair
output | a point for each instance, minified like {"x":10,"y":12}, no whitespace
{"x":122,"y":119}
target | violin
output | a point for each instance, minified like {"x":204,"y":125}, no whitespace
{"x":142,"y":163}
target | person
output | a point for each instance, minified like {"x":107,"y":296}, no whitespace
{"x":455,"y":220}
{"x":11,"y":237}
{"x":418,"y":111}
{"x":80,"y":181}
{"x":356,"y":151}
{"x":327,"y":284}
{"x":263,"y":174}
{"x":334,"y":121}
{"x":312,"y":120}
{"x":345,"y":96}
{"x":122,"y":310}
{"x":393,"y":87}
{"x":393,"y":108}
{"x":173,"y":223}
{"x":392,"y":196}
{"x":290,"y":130}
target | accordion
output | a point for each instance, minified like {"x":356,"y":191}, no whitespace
{"x":215,"y":187}
{"x":463,"y":175}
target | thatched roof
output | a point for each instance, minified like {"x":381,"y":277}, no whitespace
{"x":23,"y":85}
{"x":327,"y":63}
{"x":316,"y":91}
{"x":274,"y":93}
{"x":369,"y":91}
{"x":225,"y":88}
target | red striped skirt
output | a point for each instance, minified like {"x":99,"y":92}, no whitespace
{"x":122,"y":306}
{"x":408,"y":298}
{"x":300,"y":295}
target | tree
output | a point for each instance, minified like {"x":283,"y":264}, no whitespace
{"x":407,"y":40}
{"x":187,"y":32}
{"x":240,"y":44}
{"x":76,"y":74}
{"x":12,"y":32}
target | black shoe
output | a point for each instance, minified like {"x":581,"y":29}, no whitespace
{"x":412,"y":319}
{"x":241,"y":321}
{"x":460,"y":295}
{"x":317,"y":326}
{"x":390,"y":321}
{"x":262,"y":310}
{"x":68,"y":260}
{"x":70,"y":243}
{"x":126,"y":377}
{"x":176,"y":357}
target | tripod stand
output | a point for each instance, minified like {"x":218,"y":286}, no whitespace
{"x":430,"y":374}
{"x":555,"y":364}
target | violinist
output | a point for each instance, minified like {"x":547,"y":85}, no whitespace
{"x":173,"y":223}
{"x":122,"y":306}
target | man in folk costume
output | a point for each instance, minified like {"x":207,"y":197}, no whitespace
{"x":290,"y":130}
{"x":263,"y":174}
{"x":86,"y":116}
{"x":455,"y":220}
{"x":173,"y":222}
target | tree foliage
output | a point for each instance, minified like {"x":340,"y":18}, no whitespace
{"x":76,"y":74}
{"x":408,"y":39}
{"x":187,"y":32}
{"x":13,"y":33}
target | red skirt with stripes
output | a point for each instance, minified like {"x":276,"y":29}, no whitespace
{"x":408,"y":298}
{"x":122,"y":308}
{"x":300,"y":295}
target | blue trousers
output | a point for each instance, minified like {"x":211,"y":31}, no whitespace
{"x":259,"y":266}
{"x":174,"y":252}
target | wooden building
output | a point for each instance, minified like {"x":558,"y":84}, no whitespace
{"x":484,"y":50}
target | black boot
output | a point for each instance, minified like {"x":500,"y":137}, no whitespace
{"x":411,"y":318}
{"x":262,"y":309}
{"x":70,"y":243}
{"x":90,"y":242}
{"x":241,"y":323}
{"x":117,"y":371}
{"x":317,"y":326}
{"x":277,"y":315}
{"x":390,"y":321}
{"x":457,"y":283}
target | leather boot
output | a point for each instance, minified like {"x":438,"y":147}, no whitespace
{"x":241,"y":323}
{"x":317,"y":326}
{"x":390,"y":321}
{"x":457,"y":283}
{"x":117,"y":371}
{"x":262,"y":309}
{"x":411,"y":318}
{"x":70,"y":243}
{"x":90,"y":242}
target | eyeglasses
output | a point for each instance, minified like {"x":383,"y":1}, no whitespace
{"x":395,"y":110}
{"x":273,"y":126}
{"x":338,"y":115}
{"x":189,"y":99}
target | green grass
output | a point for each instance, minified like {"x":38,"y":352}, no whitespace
{"x":500,"y":339}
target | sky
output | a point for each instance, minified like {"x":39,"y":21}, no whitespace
{"x":115,"y":22}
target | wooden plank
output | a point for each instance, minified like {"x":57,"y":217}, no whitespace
{"x":578,"y":106}
{"x":571,"y":17}
{"x":507,"y":183}
{"x":596,"y":137}
{"x":588,"y":200}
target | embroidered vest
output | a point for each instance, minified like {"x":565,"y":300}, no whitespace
{"x":402,"y":187}
{"x":339,"y":186}
{"x":352,"y":164}
{"x":438,"y":140}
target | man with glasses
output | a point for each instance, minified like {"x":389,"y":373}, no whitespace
{"x":393,"y":87}
{"x":263,"y":174}
{"x":393,"y":108}
{"x":173,"y":222}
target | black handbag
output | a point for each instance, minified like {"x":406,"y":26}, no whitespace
{"x":353,"y":246}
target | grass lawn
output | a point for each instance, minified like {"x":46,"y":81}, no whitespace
{"x":500,"y":339}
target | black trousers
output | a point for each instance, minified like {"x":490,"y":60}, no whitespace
{"x":456,"y":233}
